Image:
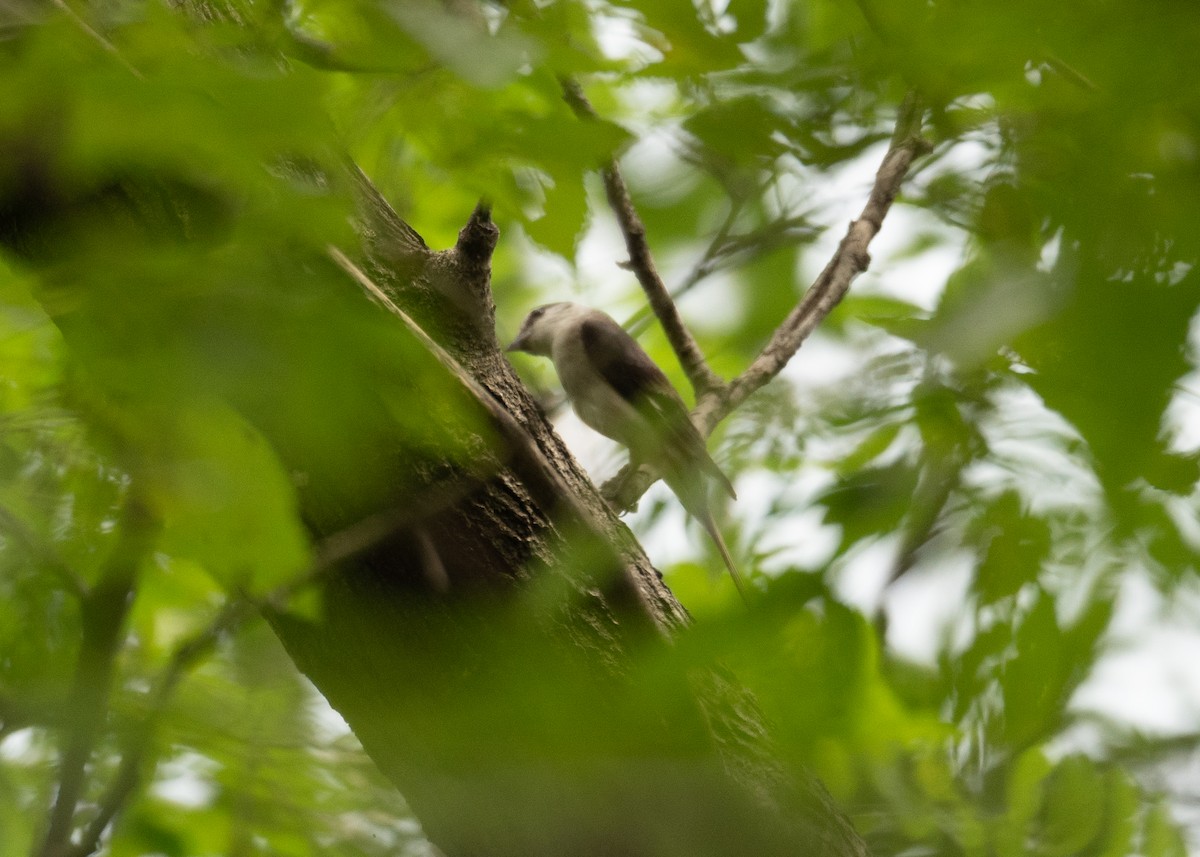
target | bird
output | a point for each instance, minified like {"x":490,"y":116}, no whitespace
{"x":618,"y":390}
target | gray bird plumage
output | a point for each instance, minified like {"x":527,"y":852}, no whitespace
{"x":618,"y":390}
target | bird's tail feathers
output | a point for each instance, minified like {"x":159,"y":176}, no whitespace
{"x":718,"y":474}
{"x":715,"y":534}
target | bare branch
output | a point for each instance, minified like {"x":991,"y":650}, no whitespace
{"x":705,"y":265}
{"x":641,"y":262}
{"x":1071,"y":73}
{"x":850,"y":260}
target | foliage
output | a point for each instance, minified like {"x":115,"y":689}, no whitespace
{"x":1022,"y":427}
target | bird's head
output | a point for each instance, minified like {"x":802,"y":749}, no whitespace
{"x":538,"y":329}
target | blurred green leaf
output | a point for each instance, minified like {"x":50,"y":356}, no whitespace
{"x":1160,"y":836}
{"x":1024,"y":792}
{"x":1108,"y":363}
{"x":751,"y":17}
{"x":1075,"y":805}
{"x":689,"y":47}
{"x":1034,"y":681}
{"x":227,"y":501}
{"x":1015,"y":543}
{"x":870,"y":502}
{"x":1121,"y":815}
{"x":744,"y":130}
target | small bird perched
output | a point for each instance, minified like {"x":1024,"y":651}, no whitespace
{"x":617,"y":390}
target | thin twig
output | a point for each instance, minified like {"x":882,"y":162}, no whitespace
{"x":705,"y":265}
{"x":1071,"y":73}
{"x":641,"y":262}
{"x":98,"y":37}
{"x":724,"y":252}
{"x":850,"y":260}
{"x":129,"y":773}
{"x":331,"y":551}
{"x":103,"y":613}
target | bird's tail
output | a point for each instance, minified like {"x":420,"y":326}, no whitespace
{"x":714,"y":470}
{"x":715,"y":534}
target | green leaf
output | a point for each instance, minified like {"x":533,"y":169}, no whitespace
{"x":227,"y":502}
{"x":565,"y":215}
{"x":881,"y":310}
{"x":688,"y":46}
{"x":743,"y":131}
{"x":972,"y":672}
{"x":1033,"y":683}
{"x":1121,"y":816}
{"x":1014,"y":544}
{"x":483,"y":59}
{"x":872,"y":447}
{"x":1025,"y":787}
{"x":869,"y":502}
{"x":751,"y":16}
{"x":1074,"y":812}
{"x":1161,"y":836}
{"x":1108,"y":362}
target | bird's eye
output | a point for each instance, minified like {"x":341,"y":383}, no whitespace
{"x":537,"y":313}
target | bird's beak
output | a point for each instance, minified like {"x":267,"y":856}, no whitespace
{"x":517,"y":344}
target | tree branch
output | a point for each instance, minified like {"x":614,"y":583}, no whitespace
{"x":705,"y":265}
{"x":641,"y":262}
{"x":103,"y":615}
{"x":716,"y":400}
{"x":850,"y":260}
{"x":726,"y":250}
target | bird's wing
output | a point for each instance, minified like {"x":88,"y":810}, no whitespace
{"x":626,"y":368}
